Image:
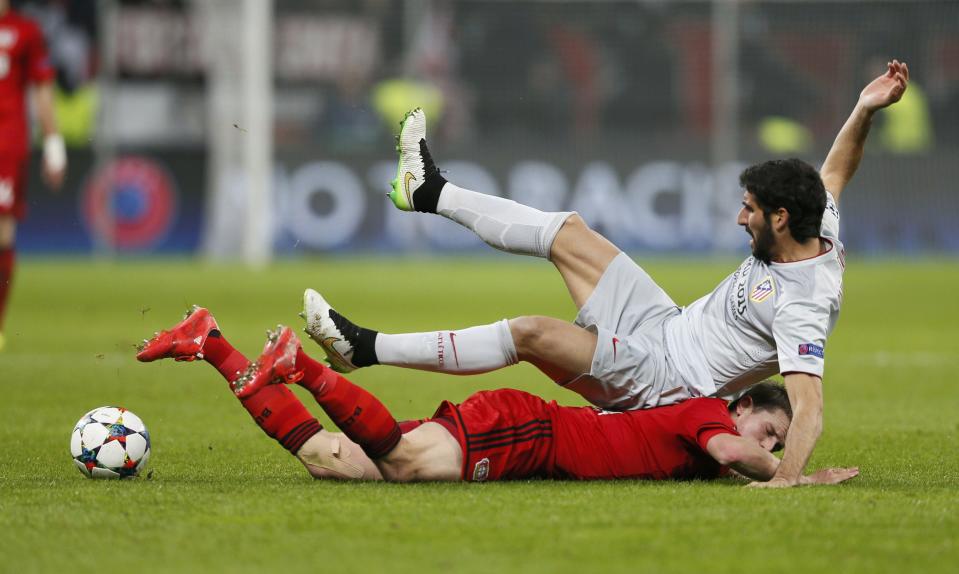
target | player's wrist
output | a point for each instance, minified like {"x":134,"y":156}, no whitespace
{"x":54,"y":152}
{"x":786,"y":479}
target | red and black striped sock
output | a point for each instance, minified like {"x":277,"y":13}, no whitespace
{"x":7,"y":261}
{"x":274,"y":407}
{"x":360,"y":415}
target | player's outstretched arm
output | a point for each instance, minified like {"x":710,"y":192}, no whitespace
{"x":743,"y":456}
{"x":846,"y":151}
{"x":54,"y":150}
{"x":805,"y":396}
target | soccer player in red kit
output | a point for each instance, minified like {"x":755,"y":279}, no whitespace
{"x":493,"y":435}
{"x":23,"y":62}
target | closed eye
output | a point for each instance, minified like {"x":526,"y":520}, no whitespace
{"x":779,"y":442}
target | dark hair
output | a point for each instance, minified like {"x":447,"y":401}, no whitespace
{"x":793,"y":185}
{"x":767,"y":396}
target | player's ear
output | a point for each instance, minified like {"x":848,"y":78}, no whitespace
{"x":780,"y":219}
{"x":745,"y":405}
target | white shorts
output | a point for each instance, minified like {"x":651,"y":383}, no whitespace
{"x":630,"y":370}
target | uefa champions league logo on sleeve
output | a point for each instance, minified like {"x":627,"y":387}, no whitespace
{"x":812,"y":350}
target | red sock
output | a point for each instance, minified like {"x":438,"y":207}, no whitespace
{"x":7,"y":259}
{"x":274,"y":407}
{"x":360,"y":415}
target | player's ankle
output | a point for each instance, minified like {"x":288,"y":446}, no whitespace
{"x":362,"y":340}
{"x":427,"y":196}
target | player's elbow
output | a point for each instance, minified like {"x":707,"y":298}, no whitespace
{"x":725,"y":450}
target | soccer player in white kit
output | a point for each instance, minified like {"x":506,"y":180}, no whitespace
{"x":631,"y":346}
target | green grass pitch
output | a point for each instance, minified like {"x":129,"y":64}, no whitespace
{"x":224,"y":497}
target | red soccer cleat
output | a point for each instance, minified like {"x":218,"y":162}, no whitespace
{"x":277,"y":364}
{"x":184,"y":342}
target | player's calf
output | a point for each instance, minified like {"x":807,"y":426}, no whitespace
{"x":501,"y":223}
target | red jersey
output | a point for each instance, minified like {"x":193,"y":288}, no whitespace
{"x":510,"y":434}
{"x":654,"y":444}
{"x":23,"y":61}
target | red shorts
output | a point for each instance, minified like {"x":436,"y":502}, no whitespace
{"x":505,"y":434}
{"x":13,"y":178}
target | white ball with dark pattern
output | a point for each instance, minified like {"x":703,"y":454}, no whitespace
{"x":110,"y":442}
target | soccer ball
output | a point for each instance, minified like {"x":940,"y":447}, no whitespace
{"x":110,"y":442}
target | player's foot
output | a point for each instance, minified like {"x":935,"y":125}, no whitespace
{"x":277,"y":363}
{"x":183,"y":342}
{"x":347,"y":346}
{"x":415,"y":171}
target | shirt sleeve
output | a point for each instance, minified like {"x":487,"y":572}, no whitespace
{"x":705,"y":418}
{"x":799,"y":329}
{"x":39,"y":68}
{"x":830,"y":218}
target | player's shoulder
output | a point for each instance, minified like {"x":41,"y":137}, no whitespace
{"x":22,"y":24}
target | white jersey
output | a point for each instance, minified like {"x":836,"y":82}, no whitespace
{"x":761,"y":320}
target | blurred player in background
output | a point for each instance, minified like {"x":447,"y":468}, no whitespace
{"x":631,"y":346}
{"x":493,"y":435}
{"x":23,"y":62}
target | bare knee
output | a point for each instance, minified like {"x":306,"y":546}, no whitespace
{"x":396,"y":472}
{"x":573,"y":232}
{"x":528,"y":333}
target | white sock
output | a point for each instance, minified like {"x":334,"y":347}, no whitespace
{"x":464,"y":352}
{"x":502,"y":223}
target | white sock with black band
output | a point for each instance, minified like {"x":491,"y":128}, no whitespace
{"x":502,"y":223}
{"x":462,"y":352}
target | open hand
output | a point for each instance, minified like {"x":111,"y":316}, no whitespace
{"x":774,"y":483}
{"x":830,"y":476}
{"x":887,"y":89}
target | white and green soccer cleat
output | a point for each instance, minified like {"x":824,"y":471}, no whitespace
{"x":415,"y":164}
{"x":331,"y":331}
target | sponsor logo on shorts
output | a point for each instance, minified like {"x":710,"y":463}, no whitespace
{"x":763,"y":290}
{"x":811,"y":349}
{"x":481,"y":470}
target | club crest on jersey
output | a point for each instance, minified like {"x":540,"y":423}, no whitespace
{"x":811,"y":349}
{"x":763,"y":290}
{"x":481,"y":470}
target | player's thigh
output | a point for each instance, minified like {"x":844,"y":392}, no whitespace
{"x":334,"y":455}
{"x":427,"y":453}
{"x":581,"y":255}
{"x":563,"y":346}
